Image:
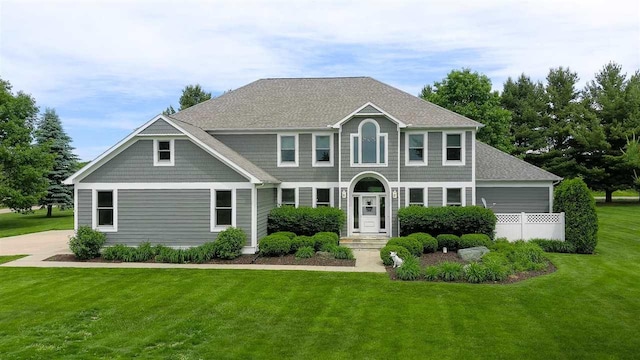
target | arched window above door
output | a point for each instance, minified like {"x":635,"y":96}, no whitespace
{"x":369,"y":146}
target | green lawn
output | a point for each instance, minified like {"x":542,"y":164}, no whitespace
{"x":625,"y":193}
{"x":6,"y":259}
{"x":589,"y":308}
{"x":12,"y":224}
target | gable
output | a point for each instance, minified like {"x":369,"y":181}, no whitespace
{"x":160,"y":127}
{"x":369,"y":109}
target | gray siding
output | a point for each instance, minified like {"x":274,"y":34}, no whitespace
{"x":306,"y":196}
{"x":394,"y":214}
{"x":386,"y":126}
{"x":343,"y":206}
{"x":160,"y":127}
{"x":469,"y":196}
{"x":262,"y":150}
{"x":192,"y":164}
{"x":435,"y":196}
{"x":84,"y":208}
{"x":243,"y":212}
{"x":514,"y":199}
{"x":267,"y":200}
{"x":369,"y":110}
{"x":435,"y":171}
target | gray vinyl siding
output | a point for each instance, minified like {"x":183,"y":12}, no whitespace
{"x":403,"y":196}
{"x":160,"y":127}
{"x":435,"y":196}
{"x":84,"y":208}
{"x":514,"y":199}
{"x":386,"y":126}
{"x":336,"y":196}
{"x":435,"y":171}
{"x":267,"y":200}
{"x":306,"y":196}
{"x":469,"y":196}
{"x":262,"y":150}
{"x":135,"y":164}
{"x":369,"y":110}
{"x":343,"y":205}
{"x":243,"y":212}
{"x":394,"y":214}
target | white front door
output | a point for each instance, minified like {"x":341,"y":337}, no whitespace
{"x":370,"y":219}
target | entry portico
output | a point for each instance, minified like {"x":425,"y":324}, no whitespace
{"x":368,"y":206}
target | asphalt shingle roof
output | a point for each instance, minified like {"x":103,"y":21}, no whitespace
{"x":495,"y":165}
{"x":313,"y":103}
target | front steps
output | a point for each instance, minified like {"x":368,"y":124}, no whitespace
{"x":364,"y":242}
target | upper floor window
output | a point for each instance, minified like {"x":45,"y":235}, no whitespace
{"x":163,"y":151}
{"x":454,"y":197}
{"x":288,"y":150}
{"x":416,"y":149}
{"x":369,"y":146}
{"x":322,"y":150}
{"x":453,"y":149}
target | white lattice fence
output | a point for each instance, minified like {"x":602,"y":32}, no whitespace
{"x":528,"y":226}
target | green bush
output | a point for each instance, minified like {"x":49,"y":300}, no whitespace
{"x":324,"y":240}
{"x":456,"y":220}
{"x":432,"y":273}
{"x":145,"y":252}
{"x":288,"y":234}
{"x":573,"y":198}
{"x":449,"y":241}
{"x":305,"y":252}
{"x":274,"y":245}
{"x":473,"y":240}
{"x":119,"y":252}
{"x":451,"y":271}
{"x":554,"y":246}
{"x":526,"y":256}
{"x":412,"y":244}
{"x":475,"y":272}
{"x":166,"y":254}
{"x":86,"y":243}
{"x":410,"y":269}
{"x":305,"y":220}
{"x":497,"y":267}
{"x":403,"y":253}
{"x":342,"y":252}
{"x":229,"y":243}
{"x":302,"y":241}
{"x":429,"y":243}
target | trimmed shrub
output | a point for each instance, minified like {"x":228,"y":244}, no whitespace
{"x":555,"y":246}
{"x":473,"y":240}
{"x":86,"y":243}
{"x":342,"y":252}
{"x":429,"y":243}
{"x":302,"y":241}
{"x":305,"y":220}
{"x":324,"y":240}
{"x":456,"y":220}
{"x":288,"y":234}
{"x":305,"y":252}
{"x":403,"y":253}
{"x":581,"y":220}
{"x":229,"y":243}
{"x":432,"y":273}
{"x":449,"y":241}
{"x":451,"y":271}
{"x":410,"y":269}
{"x":475,"y":272}
{"x":274,"y":245}
{"x":412,"y":244}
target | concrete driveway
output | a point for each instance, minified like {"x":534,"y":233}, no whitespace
{"x":42,"y":243}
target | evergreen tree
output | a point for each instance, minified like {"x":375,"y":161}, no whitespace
{"x":51,"y":134}
{"x":191,"y":95}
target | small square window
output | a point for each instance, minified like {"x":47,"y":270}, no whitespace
{"x":323,"y":197}
{"x":163,"y":152}
{"x":288,"y":197}
{"x":416,"y":197}
{"x":454,"y":197}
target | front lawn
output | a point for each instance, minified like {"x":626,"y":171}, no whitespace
{"x":12,"y":224}
{"x":589,"y":308}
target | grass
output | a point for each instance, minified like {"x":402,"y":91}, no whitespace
{"x":624,"y":193}
{"x":12,"y":224}
{"x":589,"y":308}
{"x":8,"y":258}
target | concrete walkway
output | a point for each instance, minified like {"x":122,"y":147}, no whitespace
{"x":40,"y":246}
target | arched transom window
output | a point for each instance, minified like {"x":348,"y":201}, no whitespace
{"x":369,"y":146}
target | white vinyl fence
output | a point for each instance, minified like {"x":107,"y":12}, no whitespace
{"x":527,"y":226}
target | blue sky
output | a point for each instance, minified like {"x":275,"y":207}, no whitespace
{"x":107,"y":67}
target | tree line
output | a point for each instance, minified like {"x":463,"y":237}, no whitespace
{"x":592,"y":132}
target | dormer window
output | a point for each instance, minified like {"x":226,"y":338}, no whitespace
{"x":369,"y":146}
{"x":163,"y":151}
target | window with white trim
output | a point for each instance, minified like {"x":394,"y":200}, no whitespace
{"x":288,"y":197}
{"x":454,"y":197}
{"x":223,"y":212}
{"x":453,"y":148}
{"x":287,"y":149}
{"x":416,"y":149}
{"x":416,"y":197}
{"x":105,"y":210}
{"x":322,"y":149}
{"x":323,"y":197}
{"x":163,"y":152}
{"x":369,"y":146}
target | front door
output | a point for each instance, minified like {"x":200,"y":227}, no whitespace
{"x":370,"y":218}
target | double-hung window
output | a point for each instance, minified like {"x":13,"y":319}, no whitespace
{"x":416,"y":197}
{"x":105,"y":215}
{"x":369,"y":146}
{"x":454,"y":197}
{"x":323,"y":197}
{"x":322,"y":150}
{"x":416,"y":149}
{"x":288,"y":150}
{"x":453,"y":149}
{"x":222,"y":210}
{"x":163,"y":152}
{"x":288,"y":197}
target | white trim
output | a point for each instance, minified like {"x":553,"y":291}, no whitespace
{"x":320,"y":184}
{"x":314,"y":161}
{"x":75,"y":208}
{"x":388,"y":194}
{"x":425,"y":157}
{"x":254,"y":216}
{"x":407,"y":197}
{"x":164,"y":186}
{"x":381,"y":112}
{"x":378,"y":136}
{"x":524,"y":183}
{"x":460,"y":162}
{"x":551,"y":198}
{"x":212,"y":215}
{"x":296,"y":150}
{"x":156,"y":158}
{"x":314,"y":196}
{"x":450,"y":184}
{"x":473,"y":167}
{"x":175,"y":136}
{"x":340,"y":169}
{"x":94,"y":210}
{"x":250,"y":250}
{"x":296,"y":192}
{"x":463,"y":193}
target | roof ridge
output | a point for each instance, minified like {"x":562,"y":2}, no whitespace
{"x":317,"y":78}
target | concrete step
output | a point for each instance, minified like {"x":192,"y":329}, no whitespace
{"x":361,"y":243}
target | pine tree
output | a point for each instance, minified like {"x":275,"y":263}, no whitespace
{"x":51,"y":134}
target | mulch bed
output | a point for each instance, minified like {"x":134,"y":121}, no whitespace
{"x":242,"y":259}
{"x":438,"y":257}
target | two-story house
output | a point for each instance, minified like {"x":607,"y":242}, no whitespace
{"x":352,"y":143}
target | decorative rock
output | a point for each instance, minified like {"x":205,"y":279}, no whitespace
{"x":472,"y":254}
